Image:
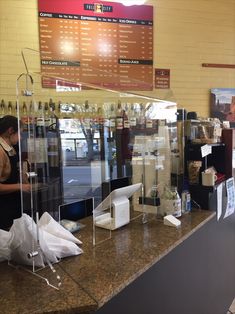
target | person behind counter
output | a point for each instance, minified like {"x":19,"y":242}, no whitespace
{"x":10,"y":204}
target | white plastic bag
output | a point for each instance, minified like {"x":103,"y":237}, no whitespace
{"x":25,"y":241}
{"x":58,"y":246}
{"x":48,"y":241}
{"x":47,"y":223}
{"x":5,"y":242}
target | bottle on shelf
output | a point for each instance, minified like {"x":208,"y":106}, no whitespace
{"x":186,"y":202}
{"x":100,"y":117}
{"x":58,"y":110}
{"x":51,"y":103}
{"x":148,"y":123}
{"x":141,"y":117}
{"x":53,"y":141}
{"x":24,"y":109}
{"x":126,"y":121}
{"x":171,"y":202}
{"x":53,"y":117}
{"x":32,"y":112}
{"x":2,"y":108}
{"x":132,"y":116}
{"x":16,"y":109}
{"x":40,"y":122}
{"x":186,"y":198}
{"x":112,"y":118}
{"x":53,"y":154}
{"x":10,"y":108}
{"x":47,"y":119}
{"x":31,"y":119}
{"x":24,"y":115}
{"x":119,"y":116}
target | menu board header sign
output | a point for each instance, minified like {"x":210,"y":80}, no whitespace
{"x":98,"y":7}
{"x":103,"y":44}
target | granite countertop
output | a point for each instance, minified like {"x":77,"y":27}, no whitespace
{"x":94,"y":277}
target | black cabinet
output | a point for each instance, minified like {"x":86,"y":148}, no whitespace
{"x":206,"y":196}
{"x":216,"y":159}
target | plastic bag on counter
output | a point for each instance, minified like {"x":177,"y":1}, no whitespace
{"x":60,"y":247}
{"x":25,"y":239}
{"x":47,"y":223}
{"x":5,"y":242}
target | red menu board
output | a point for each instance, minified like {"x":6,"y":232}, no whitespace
{"x":105,"y":44}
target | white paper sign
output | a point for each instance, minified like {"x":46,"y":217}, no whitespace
{"x":205,"y":150}
{"x":230,"y":208}
{"x":219,"y":200}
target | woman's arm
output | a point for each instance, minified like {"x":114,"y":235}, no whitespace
{"x":10,"y":188}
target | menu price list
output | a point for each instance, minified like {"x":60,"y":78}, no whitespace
{"x":109,"y":52}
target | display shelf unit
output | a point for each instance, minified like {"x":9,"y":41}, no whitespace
{"x":216,"y":159}
{"x":205,"y":196}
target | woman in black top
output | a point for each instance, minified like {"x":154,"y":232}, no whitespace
{"x":10,"y":201}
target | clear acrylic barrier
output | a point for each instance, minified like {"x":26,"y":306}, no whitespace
{"x":107,"y":139}
{"x":30,"y":243}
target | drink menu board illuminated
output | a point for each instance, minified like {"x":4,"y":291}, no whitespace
{"x":105,"y":44}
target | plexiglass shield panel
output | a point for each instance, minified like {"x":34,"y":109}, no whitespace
{"x":97,"y":140}
{"x":32,"y":246}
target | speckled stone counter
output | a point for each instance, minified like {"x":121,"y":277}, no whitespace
{"x":93,"y":278}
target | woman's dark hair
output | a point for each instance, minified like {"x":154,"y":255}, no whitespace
{"x":7,"y":122}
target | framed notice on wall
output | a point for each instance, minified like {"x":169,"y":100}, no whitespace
{"x":104,"y":44}
{"x":162,"y":78}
